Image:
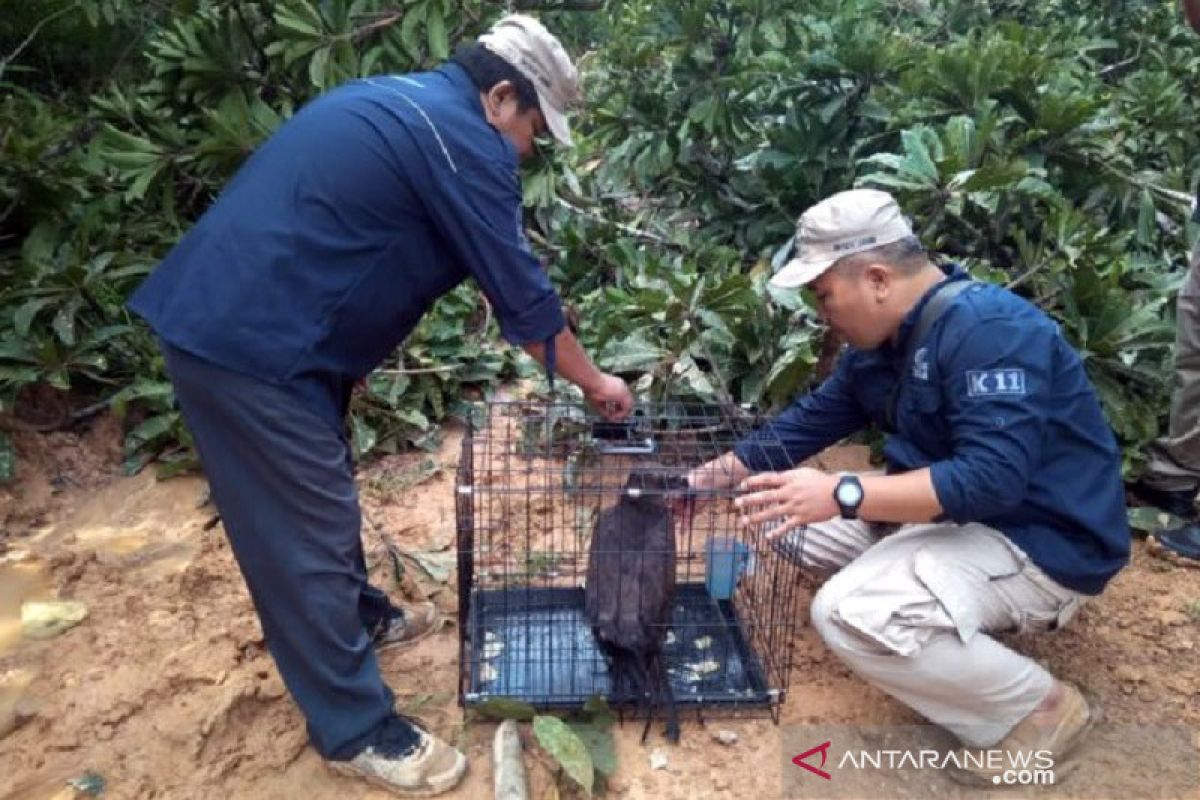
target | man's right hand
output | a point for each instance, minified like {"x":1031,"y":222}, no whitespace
{"x":611,"y":397}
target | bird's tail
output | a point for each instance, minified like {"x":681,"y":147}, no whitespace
{"x":665,"y":695}
{"x":651,"y":685}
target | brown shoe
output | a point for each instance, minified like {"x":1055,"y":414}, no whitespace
{"x":1060,"y":736}
{"x":412,"y":625}
{"x":431,"y":768}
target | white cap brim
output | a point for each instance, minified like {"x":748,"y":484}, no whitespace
{"x":556,"y":121}
{"x":798,"y":272}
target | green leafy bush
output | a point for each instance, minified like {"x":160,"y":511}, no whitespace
{"x":1052,"y":147}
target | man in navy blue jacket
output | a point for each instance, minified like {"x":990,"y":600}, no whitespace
{"x":1001,"y":507}
{"x":317,"y":260}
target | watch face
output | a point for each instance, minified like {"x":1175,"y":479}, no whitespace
{"x":849,"y":494}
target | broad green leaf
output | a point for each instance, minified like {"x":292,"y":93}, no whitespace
{"x":600,"y":746}
{"x":318,"y":67}
{"x":150,"y":430}
{"x":631,"y":354}
{"x":1148,"y":518}
{"x":363,"y":435}
{"x":916,"y":148}
{"x":409,"y":26}
{"x":64,"y":322}
{"x":502,"y":708}
{"x":439,"y":45}
{"x":1145,"y":221}
{"x":24,"y":315}
{"x":565,"y":746}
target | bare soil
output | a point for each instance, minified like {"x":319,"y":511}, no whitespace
{"x":166,"y":689}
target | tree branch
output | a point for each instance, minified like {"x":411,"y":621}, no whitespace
{"x":264,"y":60}
{"x":629,"y":229}
{"x":384,"y":21}
{"x":33,"y":34}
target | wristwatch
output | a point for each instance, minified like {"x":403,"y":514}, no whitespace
{"x":849,"y":495}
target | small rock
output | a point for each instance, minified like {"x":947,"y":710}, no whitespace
{"x":45,"y":619}
{"x":726,"y":737}
{"x":90,"y":784}
{"x":1181,"y":685}
{"x":658,"y":760}
{"x":272,"y":688}
{"x":1125,"y":672}
{"x":1172,"y":618}
{"x":24,"y":710}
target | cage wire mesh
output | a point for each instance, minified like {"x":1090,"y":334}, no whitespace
{"x":533,"y":480}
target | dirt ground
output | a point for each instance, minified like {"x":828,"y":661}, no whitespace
{"x":166,"y":689}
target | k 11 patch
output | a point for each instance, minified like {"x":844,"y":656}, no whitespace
{"x":993,"y":382}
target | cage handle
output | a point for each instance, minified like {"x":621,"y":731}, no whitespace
{"x":622,"y":438}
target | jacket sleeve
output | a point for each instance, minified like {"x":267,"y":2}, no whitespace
{"x":811,"y":423}
{"x":996,"y":385}
{"x":478,"y":212}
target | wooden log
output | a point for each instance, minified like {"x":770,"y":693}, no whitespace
{"x":508,"y":767}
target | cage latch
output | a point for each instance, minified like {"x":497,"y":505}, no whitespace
{"x":623,"y":438}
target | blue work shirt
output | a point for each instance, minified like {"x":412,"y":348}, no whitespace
{"x":998,"y":405}
{"x":342,"y":229}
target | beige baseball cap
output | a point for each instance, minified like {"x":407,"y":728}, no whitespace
{"x":845,"y":223}
{"x":526,"y":44}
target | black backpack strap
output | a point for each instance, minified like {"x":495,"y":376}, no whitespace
{"x":935,"y":306}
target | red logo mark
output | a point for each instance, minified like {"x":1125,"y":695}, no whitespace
{"x":823,"y":749}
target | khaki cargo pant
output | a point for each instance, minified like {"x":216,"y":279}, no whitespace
{"x":1174,"y":460}
{"x":910,"y":611}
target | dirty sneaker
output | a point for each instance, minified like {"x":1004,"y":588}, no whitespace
{"x":1060,"y":732}
{"x":1180,"y":546}
{"x":410,"y":626}
{"x":430,"y":768}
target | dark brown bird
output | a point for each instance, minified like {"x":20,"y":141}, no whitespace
{"x":631,"y":590}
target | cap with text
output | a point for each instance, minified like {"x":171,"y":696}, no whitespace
{"x":845,"y":223}
{"x":538,"y":55}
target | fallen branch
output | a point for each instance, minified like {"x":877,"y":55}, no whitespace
{"x":629,"y":229}
{"x":421,"y":371}
{"x":8,"y":59}
{"x":508,"y":767}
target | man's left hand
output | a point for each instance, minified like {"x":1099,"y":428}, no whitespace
{"x":797,"y":497}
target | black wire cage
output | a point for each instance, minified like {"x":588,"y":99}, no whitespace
{"x":533,"y":479}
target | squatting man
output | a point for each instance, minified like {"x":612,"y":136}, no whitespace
{"x":1001,"y":506}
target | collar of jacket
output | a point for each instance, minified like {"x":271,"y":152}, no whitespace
{"x":897,"y":345}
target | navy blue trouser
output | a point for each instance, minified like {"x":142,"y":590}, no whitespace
{"x":282,"y":479}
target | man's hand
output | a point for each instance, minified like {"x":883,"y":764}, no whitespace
{"x":704,"y":481}
{"x":796,"y":497}
{"x":611,"y":397}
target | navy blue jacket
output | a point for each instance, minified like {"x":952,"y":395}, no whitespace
{"x":324,"y":251}
{"x":998,"y":405}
